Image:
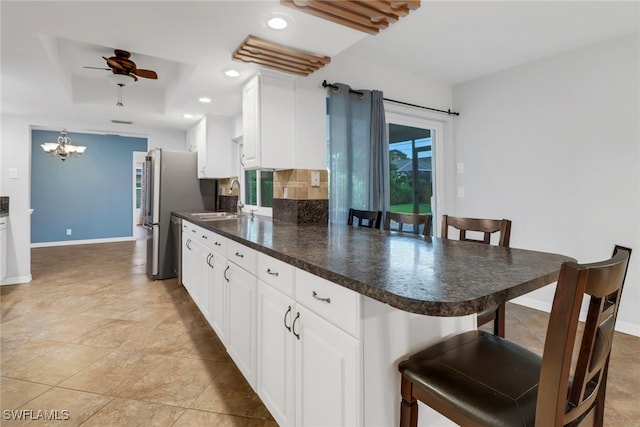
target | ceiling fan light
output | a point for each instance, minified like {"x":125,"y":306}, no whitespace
{"x":121,"y":79}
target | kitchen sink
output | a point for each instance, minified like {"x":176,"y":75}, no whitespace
{"x":215,"y":216}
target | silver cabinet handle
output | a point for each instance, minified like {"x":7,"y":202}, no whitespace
{"x":293,"y":327}
{"x":285,"y":319}
{"x":238,"y":254}
{"x":273,"y":273}
{"x":225,"y":274}
{"x":315,"y":295}
{"x":217,"y":243}
{"x":204,"y":236}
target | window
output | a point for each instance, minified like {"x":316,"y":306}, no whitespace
{"x":410,"y":167}
{"x":258,"y":188}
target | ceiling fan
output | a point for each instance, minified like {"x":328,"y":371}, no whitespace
{"x":124,"y":71}
{"x":121,"y":64}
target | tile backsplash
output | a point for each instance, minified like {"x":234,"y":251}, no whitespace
{"x":297,"y":184}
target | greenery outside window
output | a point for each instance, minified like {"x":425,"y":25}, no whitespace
{"x":258,"y":188}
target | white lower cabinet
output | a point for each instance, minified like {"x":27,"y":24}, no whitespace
{"x":191,"y":264}
{"x":276,"y":354}
{"x":218,"y":294}
{"x":328,"y":373}
{"x":241,"y":320}
{"x":309,"y":369}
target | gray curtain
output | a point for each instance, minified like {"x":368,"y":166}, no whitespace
{"x":359,"y":152}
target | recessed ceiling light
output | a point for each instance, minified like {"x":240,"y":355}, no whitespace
{"x":231,"y":73}
{"x":204,"y":100}
{"x":188,"y":116}
{"x":277,"y":23}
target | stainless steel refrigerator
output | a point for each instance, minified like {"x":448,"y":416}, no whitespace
{"x":172,"y":184}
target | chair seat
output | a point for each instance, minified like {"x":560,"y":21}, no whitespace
{"x":483,"y":376}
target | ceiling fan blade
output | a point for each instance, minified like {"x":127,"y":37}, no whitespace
{"x":113,"y":64}
{"x":147,"y":74}
{"x":98,"y":68}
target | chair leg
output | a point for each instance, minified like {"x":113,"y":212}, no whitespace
{"x":499,"y":321}
{"x":408,"y":405}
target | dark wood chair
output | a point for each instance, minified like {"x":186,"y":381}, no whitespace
{"x":369,"y":219}
{"x":416,"y":220}
{"x":487,"y":227}
{"x":480,"y":379}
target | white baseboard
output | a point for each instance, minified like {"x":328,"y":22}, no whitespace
{"x":15,"y":280}
{"x":624,"y":327}
{"x":83,"y":242}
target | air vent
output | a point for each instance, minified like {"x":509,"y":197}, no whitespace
{"x":121,"y":122}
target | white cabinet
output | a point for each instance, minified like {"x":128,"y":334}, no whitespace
{"x":241,"y":320}
{"x":191,"y":261}
{"x":211,"y":137}
{"x":328,"y":373}
{"x":3,"y":247}
{"x":242,"y":288}
{"x":309,"y":369}
{"x":268,"y":121}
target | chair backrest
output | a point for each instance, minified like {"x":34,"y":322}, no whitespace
{"x":369,"y":219}
{"x":400,"y":219}
{"x":485,"y":226}
{"x":563,"y":395}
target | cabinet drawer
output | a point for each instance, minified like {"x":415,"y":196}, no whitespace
{"x":276,"y":273}
{"x":339,"y":305}
{"x":213,"y":241}
{"x":243,"y":256}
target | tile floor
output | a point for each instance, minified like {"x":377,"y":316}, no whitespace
{"x":93,"y":336}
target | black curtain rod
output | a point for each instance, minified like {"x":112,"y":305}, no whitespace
{"x":451,"y":113}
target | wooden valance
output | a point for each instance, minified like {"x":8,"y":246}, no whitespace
{"x":369,"y":16}
{"x":279,"y":57}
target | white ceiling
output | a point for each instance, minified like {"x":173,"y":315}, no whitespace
{"x":45,"y":46}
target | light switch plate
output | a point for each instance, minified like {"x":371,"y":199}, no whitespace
{"x":13,"y":173}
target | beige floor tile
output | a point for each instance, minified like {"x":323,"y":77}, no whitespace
{"x":58,"y":364}
{"x":114,"y":373}
{"x":175,"y":381}
{"x":192,"y":418}
{"x":15,"y":393}
{"x":68,"y":407}
{"x":113,"y":334}
{"x":16,"y":352}
{"x":230,"y":393}
{"x":124,"y":412}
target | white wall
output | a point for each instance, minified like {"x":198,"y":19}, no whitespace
{"x":16,"y":154}
{"x":554,"y":146}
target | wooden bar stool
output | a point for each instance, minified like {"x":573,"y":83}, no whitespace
{"x":480,"y":379}
{"x":369,"y":219}
{"x":487,"y":227}
{"x":417,"y":220}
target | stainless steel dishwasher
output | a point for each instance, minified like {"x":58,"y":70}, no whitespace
{"x":176,"y":234}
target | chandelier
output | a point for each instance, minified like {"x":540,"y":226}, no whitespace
{"x":63,"y":148}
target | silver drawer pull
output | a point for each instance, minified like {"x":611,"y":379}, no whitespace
{"x":315,"y":295}
{"x":204,"y":237}
{"x":273,"y":273}
{"x":238,"y":254}
{"x":217,"y":243}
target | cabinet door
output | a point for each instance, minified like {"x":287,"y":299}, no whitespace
{"x":251,"y":123}
{"x":191,"y":268}
{"x":200,"y":137}
{"x":241,"y":321}
{"x":219,"y":297}
{"x":204,"y":296}
{"x":328,"y":373}
{"x":276,"y":362}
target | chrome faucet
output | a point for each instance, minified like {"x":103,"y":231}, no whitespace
{"x":240,"y":205}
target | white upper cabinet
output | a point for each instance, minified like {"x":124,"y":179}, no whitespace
{"x":212,"y":138}
{"x":268,"y":121}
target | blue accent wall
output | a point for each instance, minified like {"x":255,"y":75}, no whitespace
{"x":90,"y":194}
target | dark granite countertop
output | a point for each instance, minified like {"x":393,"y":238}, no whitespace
{"x":420,"y":275}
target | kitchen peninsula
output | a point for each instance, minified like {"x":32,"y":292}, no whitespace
{"x":374,"y":295}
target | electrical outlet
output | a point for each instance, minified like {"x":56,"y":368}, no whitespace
{"x":68,"y":232}
{"x":315,"y":179}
